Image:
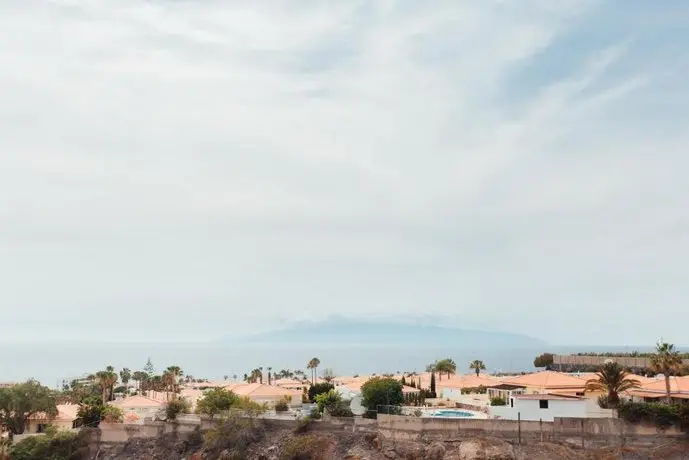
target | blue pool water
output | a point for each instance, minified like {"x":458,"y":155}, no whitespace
{"x":451,"y":413}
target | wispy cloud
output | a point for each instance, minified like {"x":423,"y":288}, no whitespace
{"x":226,"y":166}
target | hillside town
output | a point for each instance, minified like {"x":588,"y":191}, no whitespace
{"x":107,"y":397}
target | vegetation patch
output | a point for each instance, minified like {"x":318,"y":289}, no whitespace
{"x":307,"y":447}
{"x":662,"y":416}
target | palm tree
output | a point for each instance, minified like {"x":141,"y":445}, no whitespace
{"x":478,"y":366}
{"x":260,"y":375}
{"x":446,"y":366}
{"x":613,"y":379}
{"x":172,"y":375}
{"x":225,"y":377}
{"x":313,"y":365}
{"x":269,"y":369}
{"x":107,"y":380}
{"x":234,"y":377}
{"x":667,"y":361}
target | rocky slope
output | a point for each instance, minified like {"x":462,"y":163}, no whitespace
{"x":287,"y":445}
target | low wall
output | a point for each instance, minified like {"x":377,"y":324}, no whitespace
{"x":582,"y":432}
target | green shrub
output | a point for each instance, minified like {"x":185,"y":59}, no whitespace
{"x":661,"y":415}
{"x":497,"y":401}
{"x":176,"y":407}
{"x":479,"y":390}
{"x":304,"y":424}
{"x":603,"y":402}
{"x":54,"y":445}
{"x":234,"y":434}
{"x":319,"y":388}
{"x":282,"y":405}
{"x":309,"y":447}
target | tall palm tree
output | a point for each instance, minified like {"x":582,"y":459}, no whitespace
{"x":234,"y":377}
{"x":478,"y":366}
{"x":613,"y":379}
{"x":106,"y":380}
{"x":269,"y":379}
{"x":446,"y":366}
{"x":260,"y":375}
{"x":667,"y":361}
{"x":313,"y":365}
{"x":172,"y":375}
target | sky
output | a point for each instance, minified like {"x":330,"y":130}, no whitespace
{"x":185,"y":170}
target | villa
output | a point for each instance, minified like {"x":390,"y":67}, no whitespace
{"x":654,"y":390}
{"x":546,"y":407}
{"x":137,"y":408}
{"x":270,"y":394}
{"x":66,"y":418}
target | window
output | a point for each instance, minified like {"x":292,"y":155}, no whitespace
{"x":543,"y":403}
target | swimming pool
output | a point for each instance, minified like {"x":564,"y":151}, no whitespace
{"x":452,"y":413}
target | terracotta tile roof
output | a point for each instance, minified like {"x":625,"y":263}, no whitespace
{"x":679,"y":388}
{"x":467,"y":381}
{"x":65,"y":412}
{"x":137,"y":401}
{"x":259,"y":389}
{"x":548,"y":379}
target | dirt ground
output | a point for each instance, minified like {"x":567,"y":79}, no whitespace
{"x":287,"y":445}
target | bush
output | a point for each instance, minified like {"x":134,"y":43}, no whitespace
{"x":497,"y":401}
{"x":216,"y":401}
{"x":282,"y":405}
{"x":112,"y":414}
{"x":382,"y":394}
{"x":234,"y":435}
{"x":603,"y":402}
{"x":176,"y":407}
{"x":309,"y":447}
{"x":304,"y":424}
{"x":661,"y":415}
{"x":479,"y":390}
{"x":54,"y":445}
{"x":319,"y":388}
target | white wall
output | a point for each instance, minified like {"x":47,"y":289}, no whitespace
{"x":529,"y":409}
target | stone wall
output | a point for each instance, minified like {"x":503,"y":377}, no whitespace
{"x":577,"y":431}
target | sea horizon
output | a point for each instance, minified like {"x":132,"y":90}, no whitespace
{"x":53,"y":362}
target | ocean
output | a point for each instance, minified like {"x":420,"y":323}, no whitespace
{"x":51,"y":363}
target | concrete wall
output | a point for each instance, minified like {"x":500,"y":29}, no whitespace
{"x":576,"y":431}
{"x":529,"y":409}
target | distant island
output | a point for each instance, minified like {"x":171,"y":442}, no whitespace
{"x":348,"y":331}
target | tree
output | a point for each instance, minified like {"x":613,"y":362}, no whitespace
{"x":667,"y":361}
{"x":225,"y":377}
{"x":171,"y":376}
{"x":54,"y":445}
{"x":140,"y":377}
{"x":544,"y":360}
{"x":106,"y":380}
{"x":319,"y":388}
{"x":313,"y":365}
{"x":215,"y":401}
{"x":328,"y":375}
{"x":403,"y":381}
{"x":19,"y":402}
{"x":380,"y":393}
{"x":432,"y":389}
{"x":333,"y":404}
{"x":613,"y":379}
{"x":125,"y":376}
{"x":149,"y":369}
{"x":478,"y":366}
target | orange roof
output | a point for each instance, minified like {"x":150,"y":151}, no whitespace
{"x":547,"y":379}
{"x":137,"y":401}
{"x":467,"y":381}
{"x":259,"y":389}
{"x":679,"y":388}
{"x":65,"y":412}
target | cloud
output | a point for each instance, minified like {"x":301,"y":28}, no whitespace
{"x":194,"y":170}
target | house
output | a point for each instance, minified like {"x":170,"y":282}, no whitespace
{"x":654,"y":390}
{"x":452,"y":388}
{"x":505,"y":391}
{"x":269,"y":394}
{"x":291,"y":384}
{"x":549,"y":382}
{"x":547,"y":406}
{"x":136,"y":408}
{"x":66,"y":419}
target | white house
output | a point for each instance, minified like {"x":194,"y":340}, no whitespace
{"x":546,"y":407}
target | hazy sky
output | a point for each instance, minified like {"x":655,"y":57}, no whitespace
{"x":191,"y":169}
